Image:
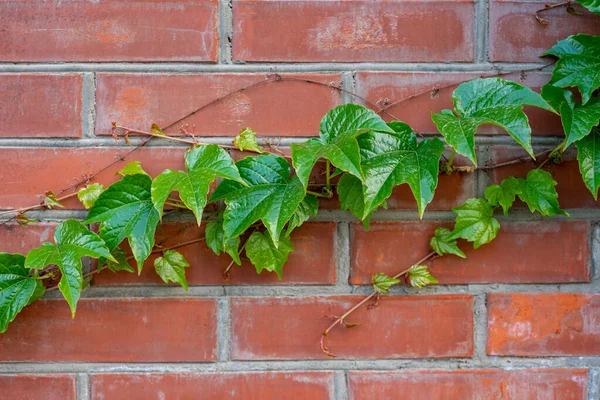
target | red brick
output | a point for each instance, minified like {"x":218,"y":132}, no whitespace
{"x":341,"y":31}
{"x":391,"y":87}
{"x":15,"y":238}
{"x":401,"y":327}
{"x":24,"y":169}
{"x":543,"y":324}
{"x":540,"y":252}
{"x":312,"y":262}
{"x":276,"y":108}
{"x":528,"y":384}
{"x":40,"y":105}
{"x":114,"y":330}
{"x":47,"y":387}
{"x":527,"y":42}
{"x":113,"y":30}
{"x":572,"y":192}
{"x":296,"y":385}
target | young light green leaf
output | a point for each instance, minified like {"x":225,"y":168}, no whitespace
{"x":171,"y":267}
{"x":475,"y":222}
{"x":390,"y":159}
{"x":578,"y":64}
{"x":17,"y":287}
{"x":156,"y":131}
{"x":264,"y":255}
{"x":23,"y":220}
{"x":419,"y":276}
{"x":50,"y":201}
{"x":337,"y":140}
{"x":382,"y":283}
{"x":89,"y":194}
{"x":73,"y":241}
{"x":577,"y":119}
{"x":133,"y":168}
{"x":246,"y":140}
{"x":215,"y":240}
{"x":271,"y":197}
{"x":588,"y":155}
{"x":442,"y":244}
{"x":539,"y":193}
{"x":121,"y":262}
{"x":308,"y":207}
{"x":203,"y":164}
{"x":504,"y":194}
{"x":125,"y":210}
{"x":488,"y":101}
{"x":592,"y":5}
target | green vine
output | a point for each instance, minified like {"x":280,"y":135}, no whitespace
{"x":262,"y":199}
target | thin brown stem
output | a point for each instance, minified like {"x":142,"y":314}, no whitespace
{"x":548,"y":7}
{"x":340,"y":320}
{"x":37,"y":206}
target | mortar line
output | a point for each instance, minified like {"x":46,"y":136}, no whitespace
{"x":340,"y":384}
{"x":481,"y":25}
{"x":594,"y":384}
{"x":480,"y":326}
{"x":348,"y":84}
{"x":83,"y":386}
{"x":343,"y":254}
{"x":225,"y":31}
{"x":224,"y":330}
{"x":88,"y":105}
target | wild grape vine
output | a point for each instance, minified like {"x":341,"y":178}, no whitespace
{"x":264,"y":198}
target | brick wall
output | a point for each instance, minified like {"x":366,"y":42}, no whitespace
{"x":518,"y":319}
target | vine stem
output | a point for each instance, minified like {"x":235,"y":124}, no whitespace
{"x":340,"y":320}
{"x":328,"y":175}
{"x":548,"y":7}
{"x":317,"y":194}
{"x":24,"y":209}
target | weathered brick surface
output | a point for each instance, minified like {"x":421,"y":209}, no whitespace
{"x":543,"y":324}
{"x":440,"y":327}
{"x":114,"y":30}
{"x":353,"y":31}
{"x":528,"y":384}
{"x":297,"y":385}
{"x":114,"y":330}
{"x":40,"y":105}
{"x":30,"y":386}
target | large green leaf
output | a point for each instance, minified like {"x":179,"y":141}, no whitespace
{"x":271,"y":197}
{"x":487,"y":101}
{"x":203,"y":164}
{"x":442,"y":244}
{"x":539,"y":193}
{"x":171,"y":267}
{"x":125,"y":210}
{"x":73,"y":241}
{"x":578,"y":64}
{"x":592,"y":5}
{"x":337,"y":140}
{"x":264,"y":255}
{"x":17,"y":287}
{"x":577,"y":119}
{"x":505,"y":193}
{"x":475,"y":222}
{"x":588,"y":155}
{"x":390,"y":159}
{"x":216,"y":241}
{"x":352,"y":198}
{"x":309,"y":206}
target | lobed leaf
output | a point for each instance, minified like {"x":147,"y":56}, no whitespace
{"x":475,"y":222}
{"x":264,"y":255}
{"x":133,"y":168}
{"x":309,"y":206}
{"x":442,"y":243}
{"x":171,"y":267}
{"x":246,"y":140}
{"x":382,"y":283}
{"x":588,"y":156}
{"x":216,"y":241}
{"x":504,"y":194}
{"x":419,"y":276}
{"x":89,"y":194}
{"x":539,"y":193}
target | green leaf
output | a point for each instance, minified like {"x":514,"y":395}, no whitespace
{"x":308,"y":207}
{"x":577,"y":119}
{"x":264,"y":255}
{"x":588,"y":155}
{"x":246,"y":140}
{"x":120,"y":264}
{"x":271,"y":196}
{"x":215,"y":240}
{"x":337,"y":141}
{"x":350,"y":193}
{"x":203,"y":164}
{"x":390,"y":159}
{"x":73,"y":241}
{"x":592,"y":5}
{"x":419,"y":276}
{"x":488,"y":101}
{"x":89,"y":194}
{"x":539,"y":193}
{"x":133,"y":168}
{"x":125,"y":210}
{"x":578,"y":64}
{"x":475,"y":222}
{"x":382,"y":283}
{"x":442,"y":244}
{"x":504,"y":194}
{"x":171,"y":267}
{"x":50,"y":201}
{"x":156,"y":131}
{"x":17,"y":287}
